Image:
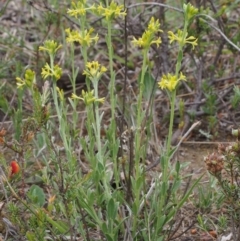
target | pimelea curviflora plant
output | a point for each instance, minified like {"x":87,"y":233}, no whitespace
{"x":167,"y":202}
{"x":112,"y":197}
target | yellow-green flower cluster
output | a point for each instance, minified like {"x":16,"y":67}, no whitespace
{"x":112,"y":11}
{"x":170,"y":81}
{"x":50,"y":46}
{"x":79,"y":9}
{"x":29,"y":79}
{"x":88,"y":98}
{"x":181,"y":39}
{"x":94,"y":70}
{"x":149,"y":36}
{"x":60,"y":94}
{"x":189,"y":11}
{"x":56,"y":72}
{"x":84,"y":38}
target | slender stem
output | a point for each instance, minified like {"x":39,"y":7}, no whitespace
{"x":73,"y":84}
{"x":55,"y":99}
{"x":98,"y":122}
{"x":173,"y":93}
{"x":82,"y":21}
{"x":112,"y":74}
{"x":167,"y":155}
{"x":139,"y":112}
{"x":97,"y":129}
{"x":138,"y":138}
{"x":112,"y":128}
{"x":170,"y":129}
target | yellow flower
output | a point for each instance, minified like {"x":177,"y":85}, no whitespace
{"x":48,"y":72}
{"x":181,"y":39}
{"x":182,"y":77}
{"x":50,"y":46}
{"x":154,"y":26}
{"x":79,"y":9}
{"x":112,"y":11}
{"x":170,"y":81}
{"x":189,"y":11}
{"x":20,"y":82}
{"x":84,"y":38}
{"x":148,"y":38}
{"x":88,"y":98}
{"x":94,"y":70}
{"x":29,"y":79}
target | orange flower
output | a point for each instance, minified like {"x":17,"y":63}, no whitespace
{"x":14,"y":168}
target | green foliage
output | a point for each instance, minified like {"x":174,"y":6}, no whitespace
{"x":235,"y":100}
{"x":208,"y":198}
{"x":3,"y":104}
{"x":149,"y":85}
{"x":210,"y":106}
{"x":203,"y":222}
{"x":222,"y":222}
{"x":36,"y":195}
{"x":17,"y":117}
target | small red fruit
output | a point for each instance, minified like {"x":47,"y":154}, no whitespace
{"x":14,"y":168}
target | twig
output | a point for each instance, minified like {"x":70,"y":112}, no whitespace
{"x":194,"y":125}
{"x":178,"y":145}
{"x":156,"y":4}
{"x":218,"y":30}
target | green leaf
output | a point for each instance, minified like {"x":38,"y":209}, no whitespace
{"x":109,"y":237}
{"x":235,"y":99}
{"x":30,"y":236}
{"x":60,"y":226}
{"x":184,"y":199}
{"x":149,"y":84}
{"x":177,"y":167}
{"x":176,"y":184}
{"x":4,"y":105}
{"x":164,"y":189}
{"x":17,"y":122}
{"x":104,"y":228}
{"x":180,"y":56}
{"x":161,"y":222}
{"x":139,"y":182}
{"x":111,"y":209}
{"x":135,"y":208}
{"x":163,"y":161}
{"x":36,"y":195}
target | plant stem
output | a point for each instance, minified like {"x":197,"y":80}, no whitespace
{"x":138,"y":140}
{"x":139,"y":113}
{"x":97,"y":130}
{"x":112,"y":74}
{"x":97,"y":123}
{"x":173,"y":93}
{"x":113,"y":142}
